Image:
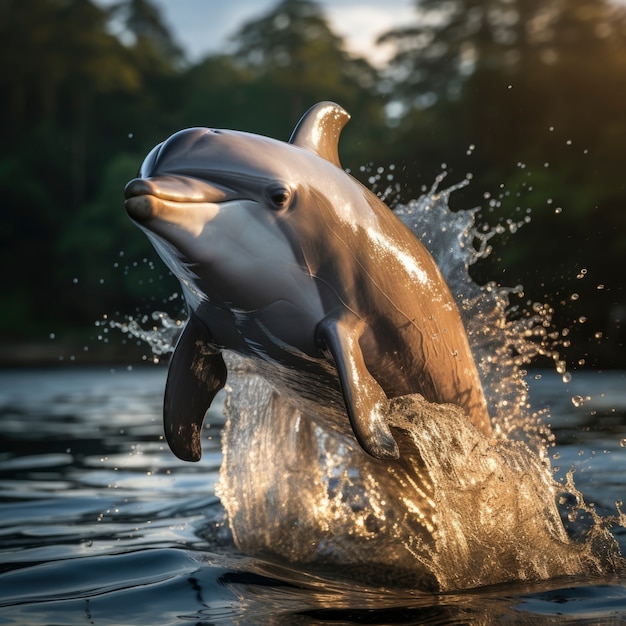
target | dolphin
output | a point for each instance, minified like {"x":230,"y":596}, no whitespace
{"x":287,"y":260}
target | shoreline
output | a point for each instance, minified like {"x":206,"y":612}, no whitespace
{"x":37,"y":354}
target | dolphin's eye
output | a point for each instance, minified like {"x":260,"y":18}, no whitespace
{"x":279,"y":196}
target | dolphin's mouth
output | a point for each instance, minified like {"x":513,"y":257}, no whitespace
{"x":158,"y":197}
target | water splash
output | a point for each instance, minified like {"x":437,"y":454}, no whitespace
{"x":504,"y":335}
{"x":455,"y":511}
{"x":160,"y":336}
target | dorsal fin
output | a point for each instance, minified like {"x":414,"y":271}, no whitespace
{"x":319,"y":128}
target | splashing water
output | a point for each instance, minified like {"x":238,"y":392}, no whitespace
{"x":504,"y":337}
{"x":456,"y":511}
{"x":160,"y":337}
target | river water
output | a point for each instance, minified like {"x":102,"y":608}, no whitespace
{"x":101,"y":524}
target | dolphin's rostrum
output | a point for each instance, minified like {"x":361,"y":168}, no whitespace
{"x":287,"y":260}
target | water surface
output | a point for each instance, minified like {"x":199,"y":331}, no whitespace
{"x":101,"y":524}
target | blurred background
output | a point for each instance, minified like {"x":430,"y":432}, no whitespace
{"x":527,"y":96}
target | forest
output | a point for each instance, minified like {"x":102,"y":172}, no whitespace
{"x":528,"y":96}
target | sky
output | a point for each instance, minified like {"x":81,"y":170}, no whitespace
{"x":204,"y":26}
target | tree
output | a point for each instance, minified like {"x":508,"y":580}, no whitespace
{"x":70,"y":91}
{"x":294,"y":59}
{"x":539,"y":88}
{"x":514,"y":66}
{"x":144,"y":22}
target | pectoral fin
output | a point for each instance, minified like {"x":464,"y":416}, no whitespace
{"x":196,"y":373}
{"x":366,"y":402}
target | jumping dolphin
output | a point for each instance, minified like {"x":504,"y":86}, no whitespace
{"x":286,"y":259}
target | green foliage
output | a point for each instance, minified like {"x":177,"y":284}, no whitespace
{"x":105,"y":241}
{"x":528,"y":95}
{"x":152,"y":38}
{"x":283,"y":63}
{"x":539,"y":88}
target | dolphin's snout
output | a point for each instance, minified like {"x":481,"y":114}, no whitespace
{"x":144,"y":196}
{"x":140,"y":199}
{"x":184,"y":201}
{"x":141,"y":208}
{"x":177,"y":188}
{"x":139,"y":187}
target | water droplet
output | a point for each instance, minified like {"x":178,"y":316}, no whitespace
{"x":622,"y":443}
{"x":578,"y":401}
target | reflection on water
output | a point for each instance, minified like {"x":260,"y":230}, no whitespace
{"x":101,"y":524}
